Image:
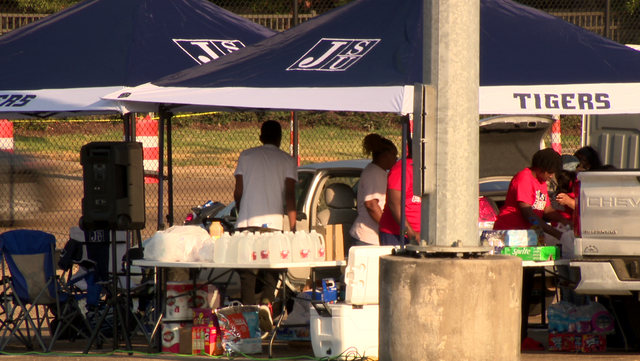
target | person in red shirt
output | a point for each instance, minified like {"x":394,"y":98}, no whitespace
{"x":389,"y":231}
{"x":526,"y":205}
{"x":527,"y":201}
{"x":564,"y":202}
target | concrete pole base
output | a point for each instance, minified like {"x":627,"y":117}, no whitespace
{"x":450,"y":308}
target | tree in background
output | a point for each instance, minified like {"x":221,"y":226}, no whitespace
{"x":44,"y":6}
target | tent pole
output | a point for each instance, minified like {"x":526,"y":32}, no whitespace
{"x":295,"y":13}
{"x":169,"y":171}
{"x":126,"y":121}
{"x":293,"y":143}
{"x":607,"y":18}
{"x":161,"y":116}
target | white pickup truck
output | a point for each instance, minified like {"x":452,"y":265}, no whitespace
{"x":607,"y":222}
{"x":607,"y":230}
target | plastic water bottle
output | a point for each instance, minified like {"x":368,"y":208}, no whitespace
{"x":317,"y":246}
{"x":220,"y":246}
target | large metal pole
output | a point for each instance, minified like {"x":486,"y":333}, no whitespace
{"x":434,"y":307}
{"x":451,"y":67}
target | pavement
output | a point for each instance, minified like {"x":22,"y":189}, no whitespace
{"x":66,"y":350}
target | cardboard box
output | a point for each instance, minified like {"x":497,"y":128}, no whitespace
{"x":547,"y":253}
{"x":334,"y":242}
{"x":206,"y":340}
{"x":185,"y":341}
{"x":204,"y":317}
{"x":594,"y":343}
{"x":574,"y":342}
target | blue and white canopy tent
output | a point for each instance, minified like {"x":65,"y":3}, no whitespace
{"x":62,"y":65}
{"x":367,"y":55}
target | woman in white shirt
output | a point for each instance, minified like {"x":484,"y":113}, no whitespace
{"x":372,"y":189}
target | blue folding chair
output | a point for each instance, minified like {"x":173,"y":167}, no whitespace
{"x":29,"y":256}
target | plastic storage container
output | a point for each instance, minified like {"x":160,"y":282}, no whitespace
{"x":362,"y":274}
{"x":350,"y":328}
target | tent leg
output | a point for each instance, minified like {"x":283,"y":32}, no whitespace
{"x":161,"y":115}
{"x":169,"y":171}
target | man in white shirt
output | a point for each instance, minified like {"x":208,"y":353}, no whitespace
{"x":265,"y":176}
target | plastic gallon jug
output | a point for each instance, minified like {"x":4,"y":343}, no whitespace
{"x":261,"y":247}
{"x":246,"y":253}
{"x":232,"y":248}
{"x":317,"y":246}
{"x":301,"y":247}
{"x":281,"y":245}
{"x":288,"y":235}
{"x":220,"y":246}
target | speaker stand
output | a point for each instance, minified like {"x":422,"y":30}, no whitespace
{"x":115,"y":303}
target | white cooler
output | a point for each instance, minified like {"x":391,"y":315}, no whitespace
{"x":362,"y":274}
{"x":349,"y":327}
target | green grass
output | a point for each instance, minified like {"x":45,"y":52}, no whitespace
{"x":197,"y":147}
{"x":63,"y":147}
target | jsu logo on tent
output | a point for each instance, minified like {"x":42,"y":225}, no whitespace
{"x":334,"y":54}
{"x":205,"y":50}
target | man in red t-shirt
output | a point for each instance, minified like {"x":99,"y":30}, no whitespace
{"x":389,"y":231}
{"x":526,"y":204}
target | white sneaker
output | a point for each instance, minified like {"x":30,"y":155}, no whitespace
{"x":264,"y":318}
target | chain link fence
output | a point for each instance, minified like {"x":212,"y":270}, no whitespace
{"x":618,"y":20}
{"x":42,"y":184}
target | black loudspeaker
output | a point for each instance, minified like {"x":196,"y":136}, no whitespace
{"x":113,"y":177}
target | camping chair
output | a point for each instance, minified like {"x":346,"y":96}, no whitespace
{"x":29,"y":256}
{"x":84,"y":284}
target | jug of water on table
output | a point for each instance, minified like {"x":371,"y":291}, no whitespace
{"x":301,"y":247}
{"x":220,"y":247}
{"x":261,"y":247}
{"x":232,"y":247}
{"x":246,"y":252}
{"x":317,"y":246}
